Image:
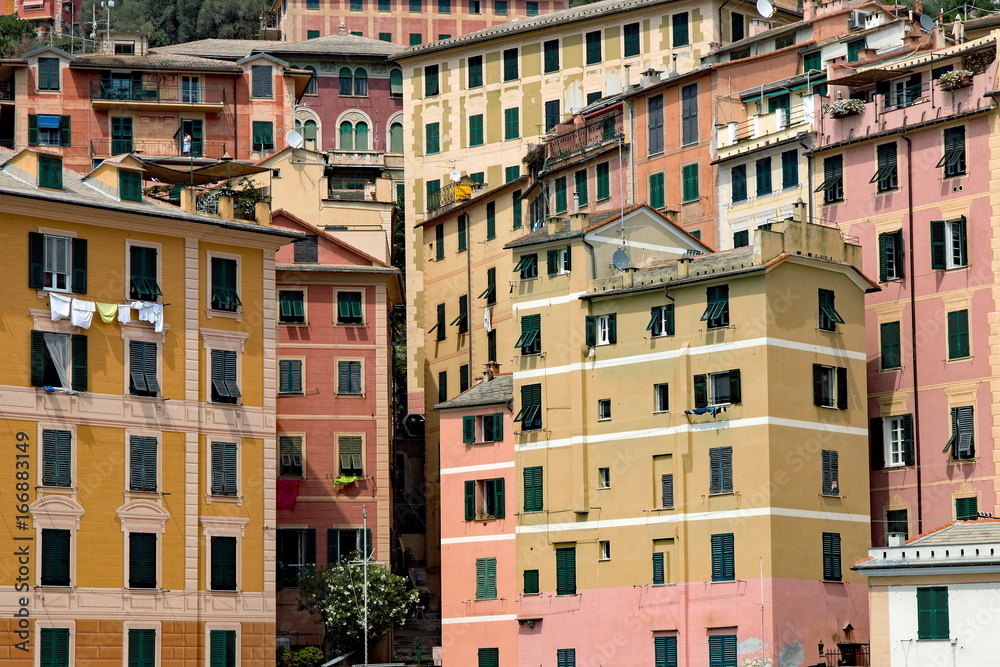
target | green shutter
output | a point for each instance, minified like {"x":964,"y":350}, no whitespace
{"x":603,"y":180}
{"x":498,"y":426}
{"x":656,"y":194}
{"x":883,"y":270}
{"x":533,"y":489}
{"x":723,"y":557}
{"x":499,"y":498}
{"x":938,"y":252}
{"x":65,"y":135}
{"x":468,"y":429}
{"x":54,"y":647}
{"x":470,"y":500}
{"x":79,"y":345}
{"x":690,"y":182}
{"x":842,"y":398}
{"x":491,"y":220}
{"x":590,"y":333}
{"x":581,"y":187}
{"x":32,"y":129}
{"x":223,"y":565}
{"x":566,"y":571}
{"x":36,"y":260}
{"x":701,"y":391}
{"x":612,"y":327}
{"x":932,"y":613}
{"x":665,"y":651}
{"x":876,"y":443}
{"x":55,"y":557}
{"x":79,"y":251}
{"x":958,"y":334}
{"x":37,"y":358}
{"x":531,"y":582}
{"x":890,"y":345}
{"x":831,"y":557}
{"x":735,"y":388}
{"x":908,"y":440}
{"x":222,"y":648}
{"x":658,"y":569}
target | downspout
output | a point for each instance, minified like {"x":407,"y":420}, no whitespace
{"x":236,"y":129}
{"x":468,"y":291}
{"x":913,"y":334}
{"x":809,"y":177}
{"x":723,"y":6}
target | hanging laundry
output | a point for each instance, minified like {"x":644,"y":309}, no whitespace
{"x":153,"y":313}
{"x":487,"y":320}
{"x":60,"y":306}
{"x":124,"y":314}
{"x":82,"y":313}
{"x":107,"y":311}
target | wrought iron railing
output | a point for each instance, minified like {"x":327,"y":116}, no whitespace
{"x":130,"y":91}
{"x":157,"y":148}
{"x":596,"y":132}
{"x":6,"y":91}
{"x":848,"y":655}
{"x":449,"y":194}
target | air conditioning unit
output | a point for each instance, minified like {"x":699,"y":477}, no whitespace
{"x":856,"y":21}
{"x":896,"y":539}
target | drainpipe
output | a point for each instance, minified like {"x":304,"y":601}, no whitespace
{"x":913,"y":334}
{"x":809,"y":177}
{"x":723,"y":6}
{"x":468,"y":292}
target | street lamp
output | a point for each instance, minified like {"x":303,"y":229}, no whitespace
{"x":107,"y":5}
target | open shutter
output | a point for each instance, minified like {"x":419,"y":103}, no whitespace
{"x":136,"y":365}
{"x":79,"y":285}
{"x":32,"y":129}
{"x":37,"y":358}
{"x":591,"y":331}
{"x":136,"y":448}
{"x":498,"y":426}
{"x":926,"y":621}
{"x":735,"y":391}
{"x":718,"y":560}
{"x":481,"y":578}
{"x":876,"y":443}
{"x":79,"y":380}
{"x":938,"y":252}
{"x":499,"y":498}
{"x":882,"y":257}
{"x":701,"y":391}
{"x":149,"y":367}
{"x":470,"y":500}
{"x":667,"y":491}
{"x":726,"y":466}
{"x":36,"y":260}
{"x":966,"y":429}
{"x":65,"y":136}
{"x":552,"y":259}
{"x":817,"y":384}
{"x":230,"y":468}
{"x":908,"y":440}
{"x":230,"y":361}
{"x":715,"y":470}
{"x":468,"y":429}
{"x":613,"y":328}
{"x":841,"y":388}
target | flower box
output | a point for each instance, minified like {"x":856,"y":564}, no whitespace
{"x":844,"y":108}
{"x":955,"y":79}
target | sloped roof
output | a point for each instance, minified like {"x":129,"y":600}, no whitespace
{"x":341,"y":45}
{"x":220,"y":49}
{"x":930,"y":551}
{"x":961,"y":532}
{"x":498,"y":391}
{"x":155,"y":61}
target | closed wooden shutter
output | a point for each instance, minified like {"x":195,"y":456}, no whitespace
{"x":842,"y":398}
{"x":831,"y":557}
{"x":566,"y":571}
{"x":54,"y":647}
{"x":531,"y":581}
{"x":658,"y":569}
{"x":654,"y":113}
{"x":57,"y":457}
{"x":908,"y":440}
{"x":79,"y":252}
{"x":223,"y":563}
{"x":222,"y":648}
{"x":141,"y":648}
{"x":142,"y":463}
{"x":55,"y":557}
{"x":665,"y":651}
{"x":701,"y":391}
{"x":689,"y":113}
{"x":142,"y":560}
{"x":499,"y":498}
{"x":723,"y":557}
{"x":667,"y":491}
{"x":831,"y":472}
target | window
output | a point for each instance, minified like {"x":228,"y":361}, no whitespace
{"x":142,"y":269}
{"x":511,"y":123}
{"x":721,"y":469}
{"x":723,"y":562}
{"x":223,"y":566}
{"x":667,"y":491}
{"x":462,"y":321}
{"x":486,"y":578}
{"x":350,"y":451}
{"x":601,"y":329}
{"x":224,"y":462}
{"x":932,"y":612}
{"x":346,"y":81}
{"x":738,"y":182}
{"x":741,"y":239}
{"x":717,"y":310}
{"x":59,"y":360}
{"x":511,"y":173}
{"x":661,"y":397}
{"x":290,"y":456}
{"x":582,"y":197}
{"x":485,"y":499}
{"x":415,"y":37}
{"x":680,"y":30}
{"x":659,"y":569}
{"x":897,"y":523}
{"x":416,"y":6}
{"x":593,"y":40}
{"x":142,"y":368}
{"x":831,"y":472}
{"x":948,"y":244}
{"x":830,"y":386}
{"x":291,"y":307}
{"x":261,"y":81}
{"x":48,"y":74}
{"x":492,"y":428}
{"x":527,"y":266}
{"x":54,"y":647}
{"x":475,"y":71}
{"x":312,"y":34}
{"x":432,"y":84}
{"x":886,"y":173}
{"x":439,"y":324}
{"x":890,"y":255}
{"x":225,"y":388}
{"x":665,"y":650}
{"x":654,"y":114}
{"x":829,"y":318}
{"x":490,"y":293}
{"x":854,"y":49}
{"x":594,"y":97}
{"x":142,"y":466}
{"x":500,"y":7}
{"x":689,"y":182}
{"x":475,"y":7}
{"x":832,"y":186}
{"x":784,"y":41}
{"x":812,"y":61}
{"x":433,"y":138}
{"x":558,"y":261}
{"x":395,"y":79}
{"x":531,"y":582}
{"x":566,"y":571}
{"x":225,"y":295}
{"x":953,"y":160}
{"x":737,"y":26}
{"x":604,"y":478}
{"x":764,"y":176}
{"x":531,"y":8}
{"x":689,"y":114}
{"x":963,"y":430}
{"x":57,"y":458}
{"x":296,"y":551}
{"x":341,"y":543}
{"x":476,"y":136}
{"x":603,"y":181}
{"x":129,"y":186}
{"x":489,"y":657}
{"x":357,"y":5}
{"x":897,"y":433}
{"x":384,"y":5}
{"x":603,"y":409}
{"x":533,"y":489}
{"x":510,"y":64}
{"x":661,"y":320}
{"x":966,"y":509}
{"x":290,"y":376}
{"x":958,"y":334}
{"x":657,"y":198}
{"x":714,"y":389}
{"x":349,"y":377}
{"x":141,"y":561}
{"x":831,"y":557}
{"x":631,"y":38}
{"x":396,"y":138}
{"x":121,"y":136}
{"x":790,"y":169}
{"x":360,"y":82}
{"x":438,"y":238}
{"x":566,"y":657}
{"x":49,"y":173}
{"x":55,"y":557}
{"x":530,"y":340}
{"x":349,"y":308}
{"x":49,"y":130}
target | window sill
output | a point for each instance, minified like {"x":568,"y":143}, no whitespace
{"x":59,"y":490}
{"x":959,"y":359}
{"x":288,"y":394}
{"x":959,"y":462}
{"x":219,"y":404}
{"x":895,"y":369}
{"x":661,"y":412}
{"x":232,"y":315}
{"x":293,"y":324}
{"x":603,"y":560}
{"x":604,"y":419}
{"x":228,"y":500}
{"x":603,"y":488}
{"x":833,"y":581}
{"x":662,"y":509}
{"x":363,"y":97}
{"x":350,"y":395}
{"x":721,"y":493}
{"x":147,"y":495}
{"x":538,"y":593}
{"x":831,"y":495}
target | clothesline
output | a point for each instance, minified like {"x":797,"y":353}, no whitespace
{"x":81,"y":312}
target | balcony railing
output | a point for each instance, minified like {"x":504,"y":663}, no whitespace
{"x":848,"y":655}
{"x":156,"y":148}
{"x":357,"y":158}
{"x":762,"y":125}
{"x":451,"y":193}
{"x":6,"y":91}
{"x":155,"y":93}
{"x":595,"y":133}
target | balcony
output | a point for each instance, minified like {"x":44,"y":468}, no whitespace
{"x":594,"y":134}
{"x":847,"y":655}
{"x":451,"y":193}
{"x":118,"y":94}
{"x":6,"y":92}
{"x":156,"y":148}
{"x":375,"y":159}
{"x":773,"y":126}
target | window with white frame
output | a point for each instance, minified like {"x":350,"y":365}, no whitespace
{"x":661,"y":397}
{"x":895,"y":441}
{"x":721,"y":388}
{"x":604,"y":478}
{"x":605,"y":546}
{"x":604,"y":409}
{"x":222,"y":551}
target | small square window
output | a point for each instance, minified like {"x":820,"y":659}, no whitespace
{"x":604,"y":478}
{"x":661,"y":397}
{"x":291,"y":307}
{"x":604,"y":409}
{"x":605,"y":546}
{"x":349,"y":308}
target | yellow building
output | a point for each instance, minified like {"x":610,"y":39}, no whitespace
{"x":141,"y":465}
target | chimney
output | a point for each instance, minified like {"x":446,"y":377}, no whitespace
{"x":553,"y":224}
{"x":649,"y":77}
{"x":189,"y":197}
{"x":491,"y":371}
{"x":578,"y":221}
{"x":808,"y":9}
{"x":758,"y":26}
{"x":343,"y":29}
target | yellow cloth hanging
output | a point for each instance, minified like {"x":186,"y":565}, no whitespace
{"x":108,"y":312}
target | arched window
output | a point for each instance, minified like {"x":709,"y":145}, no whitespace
{"x":396,"y":138}
{"x":346,"y":136}
{"x":309,"y":134}
{"x":360,"y":81}
{"x":312,"y":88}
{"x":346,"y":81}
{"x":396,"y":82}
{"x":361,"y":136}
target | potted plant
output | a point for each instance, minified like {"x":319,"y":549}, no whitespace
{"x":956,"y":78}
{"x":842,"y":108}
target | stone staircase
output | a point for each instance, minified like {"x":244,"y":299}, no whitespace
{"x":404,"y":641}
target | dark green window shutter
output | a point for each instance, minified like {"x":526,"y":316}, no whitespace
{"x":224,"y":460}
{"x":142,"y":560}
{"x":738,"y":182}
{"x":566,"y":657}
{"x":613,"y":327}
{"x":64,"y":131}
{"x":463,"y":228}
{"x":36,"y":260}
{"x":735,"y":386}
{"x":656,"y":193}
{"x":932,"y":613}
{"x":701,"y":391}
{"x":517,"y":214}
{"x":790,"y":169}
{"x":290,"y":376}
{"x":222,"y":648}
{"x":142,"y":267}
{"x":129,"y":186}
{"x":476,"y":136}
{"x":876,"y":443}
{"x":57,"y":458}
{"x":32,"y":129}
{"x":831,"y":472}
{"x":512,"y":123}
{"x":560,"y":195}
{"x":958,"y":334}
{"x":223,"y":566}
{"x":79,"y":344}
{"x":722,"y":651}
{"x":530,"y":582}
{"x":499,"y":498}
{"x":590,"y":334}
{"x":831,"y":557}
{"x":665,"y":651}
{"x":290,"y":455}
{"x":883,"y":257}
{"x":581,"y":187}
{"x":468,"y":429}
{"x":908,"y":440}
{"x":497,"y":426}
{"x":891,"y":356}
{"x":603,"y":180}
{"x":142,"y":463}
{"x":680,"y":30}
{"x":489,"y":657}
{"x":842,"y":399}
{"x":486,"y":578}
{"x":938,"y":256}
{"x":470,"y":500}
{"x":55,"y":557}
{"x":491,"y":220}
{"x":552,"y":261}
{"x":568,"y":259}
{"x":721,"y":469}
{"x":566,"y":571}
{"x":667,"y":491}
{"x":689,"y":121}
{"x":54,"y":647}
{"x":79,"y":250}
{"x":658,"y":570}
{"x":966,"y":509}
{"x":723,"y":557}
{"x":689,"y":179}
{"x":141,"y":648}
{"x":533,"y":489}
{"x":38,"y":353}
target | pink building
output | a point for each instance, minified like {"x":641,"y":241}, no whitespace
{"x":909,"y":173}
{"x":334,"y":419}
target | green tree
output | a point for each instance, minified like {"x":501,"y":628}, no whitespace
{"x":336,"y":593}
{"x":15,"y":35}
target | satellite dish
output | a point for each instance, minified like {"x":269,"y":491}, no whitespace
{"x":765,"y":9}
{"x":455,"y":175}
{"x":620,"y":260}
{"x":294,"y":139}
{"x":926,"y":22}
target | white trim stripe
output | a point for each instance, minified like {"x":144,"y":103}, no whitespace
{"x":478,"y":619}
{"x":542,"y":303}
{"x":691,"y":428}
{"x":478,"y":468}
{"x":687,"y":351}
{"x":477,"y":538}
{"x":696,"y":516}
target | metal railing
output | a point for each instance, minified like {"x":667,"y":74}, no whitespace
{"x":155,"y":93}
{"x":848,"y":655}
{"x":6,"y":91}
{"x":156,"y":148}
{"x":596,"y":132}
{"x":449,"y":194}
